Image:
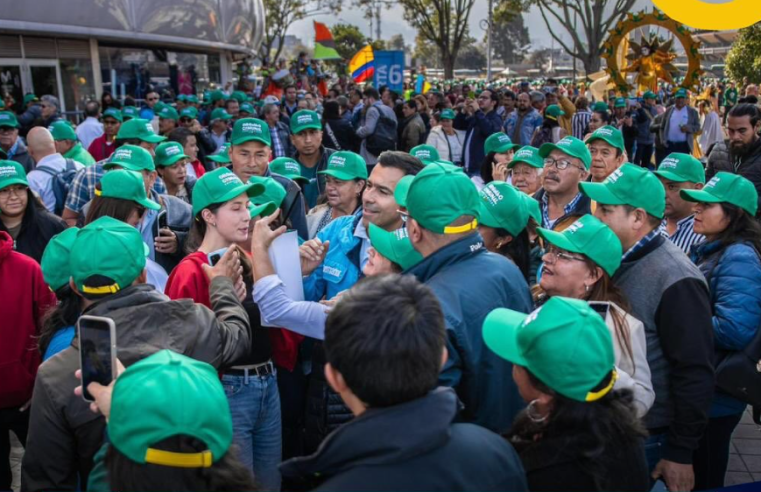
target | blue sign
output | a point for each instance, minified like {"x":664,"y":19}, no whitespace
{"x":389,"y":70}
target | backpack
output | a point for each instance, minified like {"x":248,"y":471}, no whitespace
{"x":384,"y":137}
{"x":60,"y":183}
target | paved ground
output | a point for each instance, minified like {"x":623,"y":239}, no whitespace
{"x":745,"y":458}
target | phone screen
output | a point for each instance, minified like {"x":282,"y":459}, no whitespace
{"x":215,"y":256}
{"x":601,"y":308}
{"x":95,"y":353}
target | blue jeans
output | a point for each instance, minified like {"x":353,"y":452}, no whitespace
{"x":255,"y":409}
{"x":654,"y":452}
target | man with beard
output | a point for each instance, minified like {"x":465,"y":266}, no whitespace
{"x":741,"y":152}
{"x":566,"y":164}
{"x":521,"y":123}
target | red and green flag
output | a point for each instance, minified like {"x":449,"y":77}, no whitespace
{"x":324,"y":46}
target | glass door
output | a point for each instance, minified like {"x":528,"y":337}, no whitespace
{"x":45,"y":78}
{"x":11,"y":82}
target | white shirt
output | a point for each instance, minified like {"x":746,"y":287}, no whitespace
{"x":89,"y":130}
{"x":679,"y":117}
{"x":41,"y":182}
{"x":456,"y":147}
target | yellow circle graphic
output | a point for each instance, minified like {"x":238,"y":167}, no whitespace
{"x":701,"y":15}
{"x":655,"y":18}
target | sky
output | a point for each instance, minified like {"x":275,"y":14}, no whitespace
{"x":393,"y":23}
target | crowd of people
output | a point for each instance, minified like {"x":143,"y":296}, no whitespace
{"x":504,"y":288}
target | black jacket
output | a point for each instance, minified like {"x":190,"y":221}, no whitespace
{"x":340,"y":135}
{"x":412,"y":446}
{"x":479,"y":127}
{"x":64,"y":434}
{"x":556,"y":464}
{"x":23,"y":157}
{"x":37,"y":229}
{"x":747,"y":166}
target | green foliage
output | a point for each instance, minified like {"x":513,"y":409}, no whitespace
{"x":510,"y":37}
{"x":744,"y":58}
{"x":471,"y":56}
{"x":281,"y":14}
{"x":349,"y":39}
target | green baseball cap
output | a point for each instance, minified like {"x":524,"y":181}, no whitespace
{"x":29,"y":98}
{"x":8,"y":119}
{"x":649,"y":95}
{"x":499,"y":143}
{"x":55,"y":259}
{"x":164,"y":395}
{"x":681,"y":168}
{"x":109,"y":248}
{"x":158,"y":107}
{"x":113,"y":113}
{"x":168,"y":153}
{"x":126,"y":185}
{"x":395,"y":246}
{"x":590,"y":237}
{"x":192,"y":99}
{"x":502,"y":207}
{"x":182,"y":98}
{"x":190,"y":112}
{"x":62,"y":130}
{"x":131,"y":157}
{"x":726,"y":188}
{"x":219,"y":186}
{"x":401,"y":190}
{"x":610,"y":135}
{"x":571,"y":146}
{"x":12,"y":173}
{"x":600,"y":107}
{"x":439,"y":195}
{"x":239,"y":96}
{"x":426,"y":153}
{"x":620,"y":103}
{"x":222,"y":154}
{"x":304,"y":120}
{"x":447,"y":114}
{"x":217,"y":95}
{"x":246,"y":108}
{"x":130,"y":112}
{"x":527,"y":155}
{"x":168,"y":113}
{"x":681,"y":93}
{"x":220,"y":114}
{"x":272,"y":197}
{"x":251,"y":129}
{"x":534,"y":211}
{"x":629,"y":185}
{"x":564,"y":343}
{"x":140,"y":129}
{"x":290,"y":168}
{"x":553,"y":111}
{"x":345,"y":165}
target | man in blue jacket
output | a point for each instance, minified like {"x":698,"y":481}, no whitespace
{"x":480,"y":120}
{"x":469,"y":281}
{"x":405,"y":436}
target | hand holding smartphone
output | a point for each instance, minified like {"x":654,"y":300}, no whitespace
{"x":97,"y":352}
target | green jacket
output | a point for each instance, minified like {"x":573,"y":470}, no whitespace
{"x":98,"y":479}
{"x":79,"y":154}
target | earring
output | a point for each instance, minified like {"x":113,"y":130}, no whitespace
{"x":586,"y":288}
{"x":533,"y":414}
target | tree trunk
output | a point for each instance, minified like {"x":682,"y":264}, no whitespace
{"x":592,"y":63}
{"x":448,"y":61}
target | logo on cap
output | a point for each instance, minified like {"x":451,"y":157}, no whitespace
{"x":172,"y":150}
{"x":492,"y":194}
{"x":230,"y":178}
{"x":293,"y":167}
{"x":573,"y":228}
{"x":565,"y":142}
{"x":503,"y":138}
{"x":524,"y":153}
{"x":5,"y":117}
{"x":338,"y":161}
{"x":669,"y":162}
{"x":149,"y":127}
{"x":614,"y":176}
{"x":423,"y":153}
{"x":251,"y":128}
{"x":401,"y":233}
{"x":7,"y":172}
{"x":531,"y":317}
{"x":714,"y":181}
{"x":304,"y":118}
{"x":604,"y":131}
{"x":123,"y":154}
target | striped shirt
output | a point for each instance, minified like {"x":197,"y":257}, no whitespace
{"x":685,"y":236}
{"x":548,"y":223}
{"x":642,"y":243}
{"x":580,"y":122}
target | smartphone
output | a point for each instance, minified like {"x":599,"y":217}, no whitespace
{"x":600,"y":308}
{"x":215,"y":256}
{"x":160,"y":223}
{"x":97,"y":351}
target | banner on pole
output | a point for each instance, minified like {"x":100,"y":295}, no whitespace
{"x":389,"y":70}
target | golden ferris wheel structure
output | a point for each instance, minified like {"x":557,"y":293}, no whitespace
{"x":651,"y":60}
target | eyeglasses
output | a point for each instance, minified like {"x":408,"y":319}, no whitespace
{"x":153,"y":99}
{"x":18,"y":191}
{"x":185,"y":120}
{"x":561,"y":164}
{"x":556,"y":254}
{"x":403,"y":215}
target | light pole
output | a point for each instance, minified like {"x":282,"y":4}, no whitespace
{"x":486,"y":25}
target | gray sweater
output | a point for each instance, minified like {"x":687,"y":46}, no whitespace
{"x":668,"y":294}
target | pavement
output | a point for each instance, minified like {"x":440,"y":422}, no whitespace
{"x":745,"y":453}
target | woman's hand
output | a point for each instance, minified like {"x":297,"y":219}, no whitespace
{"x":263,"y":235}
{"x":228,"y":266}
{"x":499,"y":171}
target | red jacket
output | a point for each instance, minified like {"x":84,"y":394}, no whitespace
{"x":101,"y":149}
{"x":25,"y":298}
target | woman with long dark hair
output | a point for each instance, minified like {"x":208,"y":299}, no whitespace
{"x":337,"y":132}
{"x":729,"y":258}
{"x":499,"y":150}
{"x":57,"y":329}
{"x":579,"y":263}
{"x":503,"y":224}
{"x":550,"y":131}
{"x":578,"y":433}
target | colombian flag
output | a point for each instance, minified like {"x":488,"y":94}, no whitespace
{"x":362,"y":65}
{"x":324,"y":46}
{"x":421,"y":85}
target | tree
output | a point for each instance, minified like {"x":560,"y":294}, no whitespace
{"x":281,"y":14}
{"x":744,"y":58}
{"x":586,"y":22}
{"x":510,"y":40}
{"x":472,"y":56}
{"x":540,"y":58}
{"x":349,"y":39}
{"x":426,"y":53}
{"x":443,"y":22}
{"x":397,"y":43}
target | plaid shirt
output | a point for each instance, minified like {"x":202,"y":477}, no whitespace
{"x":82,"y":188}
{"x":277,"y":145}
{"x":546,"y":222}
{"x":658,"y":231}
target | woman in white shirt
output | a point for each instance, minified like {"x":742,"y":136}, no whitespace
{"x":447,"y":141}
